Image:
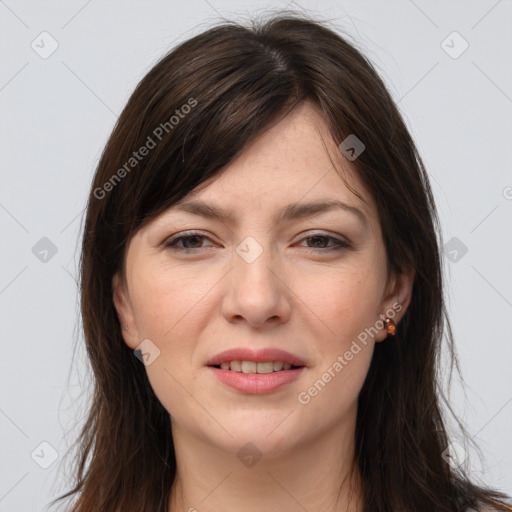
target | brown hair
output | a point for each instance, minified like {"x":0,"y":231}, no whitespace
{"x":201,"y":105}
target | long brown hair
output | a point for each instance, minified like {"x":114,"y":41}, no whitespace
{"x":195,"y":112}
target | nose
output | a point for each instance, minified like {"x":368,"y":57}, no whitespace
{"x":257,"y":291}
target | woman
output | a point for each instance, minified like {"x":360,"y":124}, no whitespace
{"x":262,"y":296}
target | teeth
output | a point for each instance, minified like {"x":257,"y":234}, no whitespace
{"x":267,"y":367}
{"x":277,"y":365}
{"x":253,"y":367}
{"x":249,"y":367}
{"x":236,"y":366}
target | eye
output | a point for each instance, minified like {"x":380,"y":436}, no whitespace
{"x":193,"y":242}
{"x":319,"y":242}
{"x":190,"y":242}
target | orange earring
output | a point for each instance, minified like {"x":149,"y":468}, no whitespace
{"x":391,"y":326}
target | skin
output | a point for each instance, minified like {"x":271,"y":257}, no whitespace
{"x":296,"y":295}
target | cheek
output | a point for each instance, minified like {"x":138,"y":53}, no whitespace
{"x":346,"y":303}
{"x":345,"y":300}
{"x":166,"y":300}
{"x":168,"y":311}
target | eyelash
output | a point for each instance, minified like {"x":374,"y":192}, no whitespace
{"x":339,"y":244}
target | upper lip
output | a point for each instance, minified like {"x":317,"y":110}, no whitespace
{"x":259,"y":356}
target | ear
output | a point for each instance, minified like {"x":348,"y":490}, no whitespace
{"x":396,"y":300}
{"x":124,"y":312}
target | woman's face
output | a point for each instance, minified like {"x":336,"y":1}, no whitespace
{"x":269,"y":275}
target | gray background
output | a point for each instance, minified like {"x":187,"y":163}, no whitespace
{"x":56,"y":115}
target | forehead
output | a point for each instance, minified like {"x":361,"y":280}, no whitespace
{"x":294,"y":161}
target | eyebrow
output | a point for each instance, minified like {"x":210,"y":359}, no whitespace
{"x":291,"y":212}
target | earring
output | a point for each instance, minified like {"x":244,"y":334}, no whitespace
{"x":391,"y":326}
{"x":125,"y":328}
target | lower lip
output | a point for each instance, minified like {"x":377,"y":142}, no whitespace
{"x":257,"y":383}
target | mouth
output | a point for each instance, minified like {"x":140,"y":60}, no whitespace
{"x":246,"y":366}
{"x":264,"y":360}
{"x":256,"y":371}
{"x":256,"y":378}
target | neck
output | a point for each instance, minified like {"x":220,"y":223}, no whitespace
{"x":313,"y":474}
